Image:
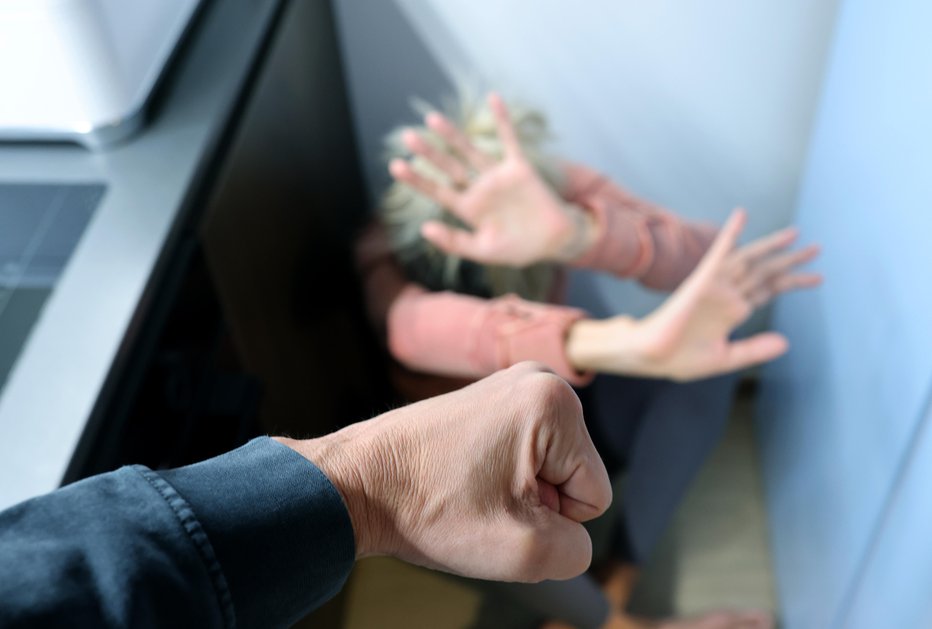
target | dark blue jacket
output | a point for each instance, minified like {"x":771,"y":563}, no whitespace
{"x":254,"y":538}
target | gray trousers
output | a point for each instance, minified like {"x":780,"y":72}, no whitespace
{"x":659,"y":433}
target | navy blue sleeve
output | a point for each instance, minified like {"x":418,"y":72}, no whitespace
{"x":256,"y":537}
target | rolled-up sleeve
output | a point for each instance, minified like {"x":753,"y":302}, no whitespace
{"x":256,"y":537}
{"x":458,"y":335}
{"x":638,"y":239}
{"x":448,"y":334}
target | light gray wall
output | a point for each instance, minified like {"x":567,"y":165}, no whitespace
{"x":846,"y":416}
{"x":698,"y":105}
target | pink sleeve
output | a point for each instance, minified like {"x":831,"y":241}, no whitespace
{"x":638,"y":239}
{"x":457,"y":335}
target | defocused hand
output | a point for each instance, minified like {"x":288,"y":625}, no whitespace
{"x":687,"y":337}
{"x":491,"y":481}
{"x":514,"y":217}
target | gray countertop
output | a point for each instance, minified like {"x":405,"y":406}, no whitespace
{"x":56,"y":382}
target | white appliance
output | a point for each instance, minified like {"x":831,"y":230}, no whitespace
{"x":83,"y":70}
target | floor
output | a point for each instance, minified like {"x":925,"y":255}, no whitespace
{"x":714,"y":556}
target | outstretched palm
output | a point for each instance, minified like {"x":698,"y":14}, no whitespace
{"x":514,"y":217}
{"x":688,"y":337}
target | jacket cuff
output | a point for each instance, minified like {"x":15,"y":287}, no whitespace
{"x":516,"y":330}
{"x":278,"y":527}
{"x":625,"y":246}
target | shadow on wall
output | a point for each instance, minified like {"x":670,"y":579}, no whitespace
{"x":396,"y":65}
{"x":699,"y":107}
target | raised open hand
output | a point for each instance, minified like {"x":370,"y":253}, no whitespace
{"x":688,"y":336}
{"x":513,"y":215}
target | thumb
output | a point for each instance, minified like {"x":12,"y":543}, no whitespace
{"x":568,"y":462}
{"x":570,"y":485}
{"x":760,"y":348}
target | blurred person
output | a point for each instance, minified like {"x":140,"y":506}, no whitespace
{"x":464,"y":274}
{"x":491,"y":481}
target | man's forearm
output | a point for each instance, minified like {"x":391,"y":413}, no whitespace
{"x":255,"y":537}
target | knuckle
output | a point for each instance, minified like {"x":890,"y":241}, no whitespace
{"x":550,"y":387}
{"x":553,"y":399}
{"x":530,"y":367}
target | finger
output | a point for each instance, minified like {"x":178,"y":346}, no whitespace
{"x":794,"y":282}
{"x":549,"y":495}
{"x":444,"y":195}
{"x":458,"y":242}
{"x":782,"y":262}
{"x":582,"y":510}
{"x":768,"y":244}
{"x":544,"y":545}
{"x":799,"y":280}
{"x":758,"y":349}
{"x":570,"y":461}
{"x":721,"y":247}
{"x":760,"y":297}
{"x":587,"y":492}
{"x":458,"y":141}
{"x":444,"y":162}
{"x":506,"y":129}
{"x":765,"y":271}
{"x":767,"y":292}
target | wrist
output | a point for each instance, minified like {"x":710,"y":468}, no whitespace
{"x":607,"y":346}
{"x":354,"y":461}
{"x":584,"y":232}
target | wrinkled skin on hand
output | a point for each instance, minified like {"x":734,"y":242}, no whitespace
{"x":491,"y":481}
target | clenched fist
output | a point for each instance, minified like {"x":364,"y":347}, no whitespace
{"x":492,"y":481}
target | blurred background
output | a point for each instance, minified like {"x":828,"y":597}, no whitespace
{"x":180,"y":184}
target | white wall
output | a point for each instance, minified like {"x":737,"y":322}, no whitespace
{"x":698,"y":105}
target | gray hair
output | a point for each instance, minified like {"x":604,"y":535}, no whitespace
{"x":403,"y":209}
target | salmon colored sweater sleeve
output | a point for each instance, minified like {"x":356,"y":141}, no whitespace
{"x":445,"y":333}
{"x":638,"y":239}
